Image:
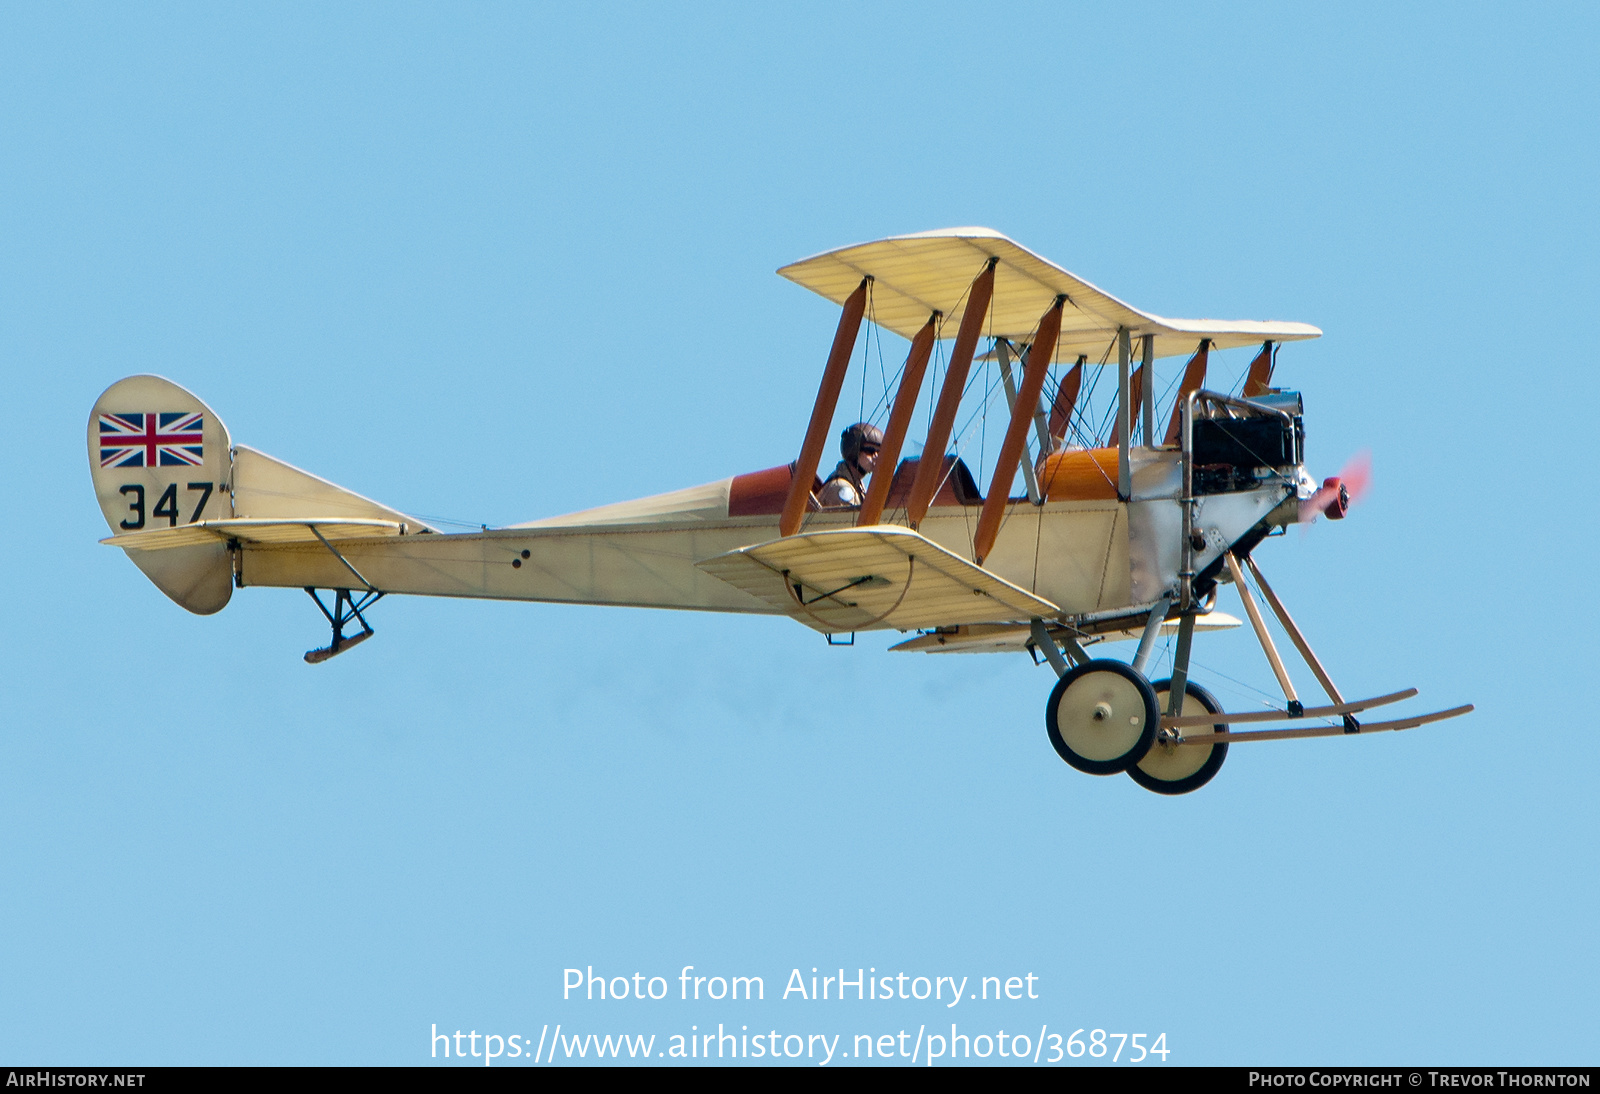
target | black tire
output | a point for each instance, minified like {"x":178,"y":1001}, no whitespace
{"x":1111,"y":716}
{"x":1164,"y":769}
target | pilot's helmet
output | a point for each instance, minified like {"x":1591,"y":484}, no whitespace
{"x":862,"y":435}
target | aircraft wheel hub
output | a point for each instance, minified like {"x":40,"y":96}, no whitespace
{"x":1102,"y":717}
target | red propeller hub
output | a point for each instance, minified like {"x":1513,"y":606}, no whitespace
{"x":1338,"y":498}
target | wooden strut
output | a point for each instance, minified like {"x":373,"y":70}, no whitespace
{"x":931,"y":468}
{"x":1261,"y":633}
{"x":805,"y":468}
{"x":1194,"y":378}
{"x":1295,"y":636}
{"x":905,"y":401}
{"x":1066,"y":399}
{"x":1005,"y":468}
{"x":1260,"y":374}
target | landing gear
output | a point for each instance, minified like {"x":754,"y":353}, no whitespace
{"x":1102,"y":717}
{"x":1171,"y":768}
{"x":346,"y":609}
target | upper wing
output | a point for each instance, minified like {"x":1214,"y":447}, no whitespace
{"x":930,"y":271}
{"x":858,"y":579}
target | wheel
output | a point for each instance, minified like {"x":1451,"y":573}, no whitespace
{"x":1170,"y":769}
{"x":1102,"y":717}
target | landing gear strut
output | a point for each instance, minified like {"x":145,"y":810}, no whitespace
{"x":346,"y":609}
{"x":1170,"y":769}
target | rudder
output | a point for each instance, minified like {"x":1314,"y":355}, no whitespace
{"x":160,"y":457}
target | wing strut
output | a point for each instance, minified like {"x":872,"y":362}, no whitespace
{"x":1148,"y":401}
{"x":1260,"y":374}
{"x":994,"y":505}
{"x":905,"y":401}
{"x":1066,"y":400}
{"x":1194,"y":378}
{"x":805,"y":469}
{"x":1124,"y":426}
{"x":931,"y":467}
{"x":1135,"y":399}
{"x":1030,"y":478}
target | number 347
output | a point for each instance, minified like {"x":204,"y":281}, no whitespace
{"x":166,"y":504}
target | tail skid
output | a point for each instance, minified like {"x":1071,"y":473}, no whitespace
{"x":346,"y":609}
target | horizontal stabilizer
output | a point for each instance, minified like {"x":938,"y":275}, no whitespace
{"x":250,"y":530}
{"x":884,"y":577}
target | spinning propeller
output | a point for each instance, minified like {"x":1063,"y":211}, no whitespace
{"x":1337,"y":494}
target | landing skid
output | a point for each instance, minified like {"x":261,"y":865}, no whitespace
{"x":1319,"y":731}
{"x":346,"y":609}
{"x":1104,"y":717}
{"x":1195,"y":720}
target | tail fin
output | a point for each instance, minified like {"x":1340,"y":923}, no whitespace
{"x":161,"y":458}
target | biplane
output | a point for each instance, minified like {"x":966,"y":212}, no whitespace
{"x":1128,"y":525}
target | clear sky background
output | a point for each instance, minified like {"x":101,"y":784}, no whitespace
{"x":498,"y":262}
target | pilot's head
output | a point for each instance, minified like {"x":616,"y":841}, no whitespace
{"x":859,"y":445}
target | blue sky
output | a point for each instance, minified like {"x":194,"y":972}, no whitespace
{"x":504,"y":262}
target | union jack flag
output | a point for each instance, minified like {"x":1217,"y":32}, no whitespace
{"x":152,"y":440}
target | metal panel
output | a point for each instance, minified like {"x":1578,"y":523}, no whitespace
{"x":1155,"y":524}
{"x":1223,"y":519}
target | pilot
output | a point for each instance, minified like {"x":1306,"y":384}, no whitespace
{"x":846,"y":486}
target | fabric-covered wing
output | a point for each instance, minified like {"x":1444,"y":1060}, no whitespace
{"x":885,"y":577}
{"x":916,"y":274}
